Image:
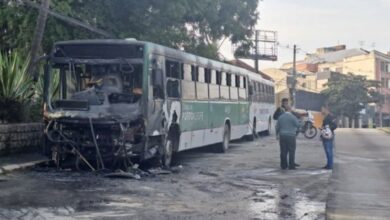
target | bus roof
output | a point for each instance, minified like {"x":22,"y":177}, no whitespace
{"x":174,"y":53}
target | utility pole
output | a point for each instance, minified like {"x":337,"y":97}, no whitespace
{"x":38,"y":35}
{"x":382,"y":100}
{"x":294,"y":77}
{"x":257,"y":51}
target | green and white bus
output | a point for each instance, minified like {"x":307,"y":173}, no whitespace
{"x":129,"y":98}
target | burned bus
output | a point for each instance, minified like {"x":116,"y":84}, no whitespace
{"x":119,"y":100}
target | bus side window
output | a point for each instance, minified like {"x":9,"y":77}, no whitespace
{"x":207,"y":75}
{"x":157,"y":80}
{"x":238,"y":81}
{"x":173,"y":72}
{"x":228,"y":79}
{"x":250,"y":89}
{"x":188,"y":85}
{"x":242,"y":95}
{"x":214,"y":92}
{"x":233,"y":87}
{"x":201,"y":75}
{"x":194,"y":73}
{"x":202,"y":92}
{"x":219,"y":77}
{"x":173,"y":69}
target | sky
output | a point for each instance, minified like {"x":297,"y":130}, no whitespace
{"x":312,"y":24}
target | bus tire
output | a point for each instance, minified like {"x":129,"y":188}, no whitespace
{"x":224,"y":145}
{"x":253,"y":136}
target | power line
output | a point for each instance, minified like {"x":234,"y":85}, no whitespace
{"x":69,"y":20}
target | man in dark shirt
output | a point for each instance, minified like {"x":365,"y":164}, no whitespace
{"x":286,"y":129}
{"x":279,"y":111}
{"x":282,"y":109}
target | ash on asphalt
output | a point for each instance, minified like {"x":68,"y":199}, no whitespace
{"x":245,"y":183}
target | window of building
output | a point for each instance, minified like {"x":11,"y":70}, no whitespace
{"x":385,"y":67}
{"x":385,"y":83}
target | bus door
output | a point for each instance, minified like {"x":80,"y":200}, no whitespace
{"x":173,"y":90}
{"x":243,"y":99}
{"x":156,"y":118}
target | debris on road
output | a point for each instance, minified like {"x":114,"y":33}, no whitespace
{"x":123,"y":174}
{"x":207,"y":173}
{"x":159,"y":171}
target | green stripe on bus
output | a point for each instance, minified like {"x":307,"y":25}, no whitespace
{"x":197,"y":115}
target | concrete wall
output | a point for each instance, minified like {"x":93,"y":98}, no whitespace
{"x":20,"y":137}
{"x":335,"y":67}
{"x":363,"y":65}
{"x":279,"y":77}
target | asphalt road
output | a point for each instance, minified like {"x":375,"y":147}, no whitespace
{"x":360,"y":185}
{"x":245,"y":183}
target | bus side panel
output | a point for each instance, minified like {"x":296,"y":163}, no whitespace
{"x":262,"y":112}
{"x":194,"y":121}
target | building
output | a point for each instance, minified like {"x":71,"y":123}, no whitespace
{"x":340,"y":60}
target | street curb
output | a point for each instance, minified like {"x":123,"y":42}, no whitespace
{"x":21,"y":166}
{"x":387,"y":131}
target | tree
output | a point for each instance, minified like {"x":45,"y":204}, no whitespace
{"x":195,"y":26}
{"x":348,"y":94}
{"x":38,"y":35}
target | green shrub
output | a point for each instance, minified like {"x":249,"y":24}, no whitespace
{"x":16,"y":88}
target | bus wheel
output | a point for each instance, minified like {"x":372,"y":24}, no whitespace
{"x":224,"y":146}
{"x":253,"y":136}
{"x":166,"y":159}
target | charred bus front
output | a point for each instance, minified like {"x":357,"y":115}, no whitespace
{"x":95,"y":106}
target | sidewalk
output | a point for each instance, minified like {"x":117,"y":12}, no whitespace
{"x":20,"y":161}
{"x":359,"y":187}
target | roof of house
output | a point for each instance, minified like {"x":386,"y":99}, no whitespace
{"x":333,"y":57}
